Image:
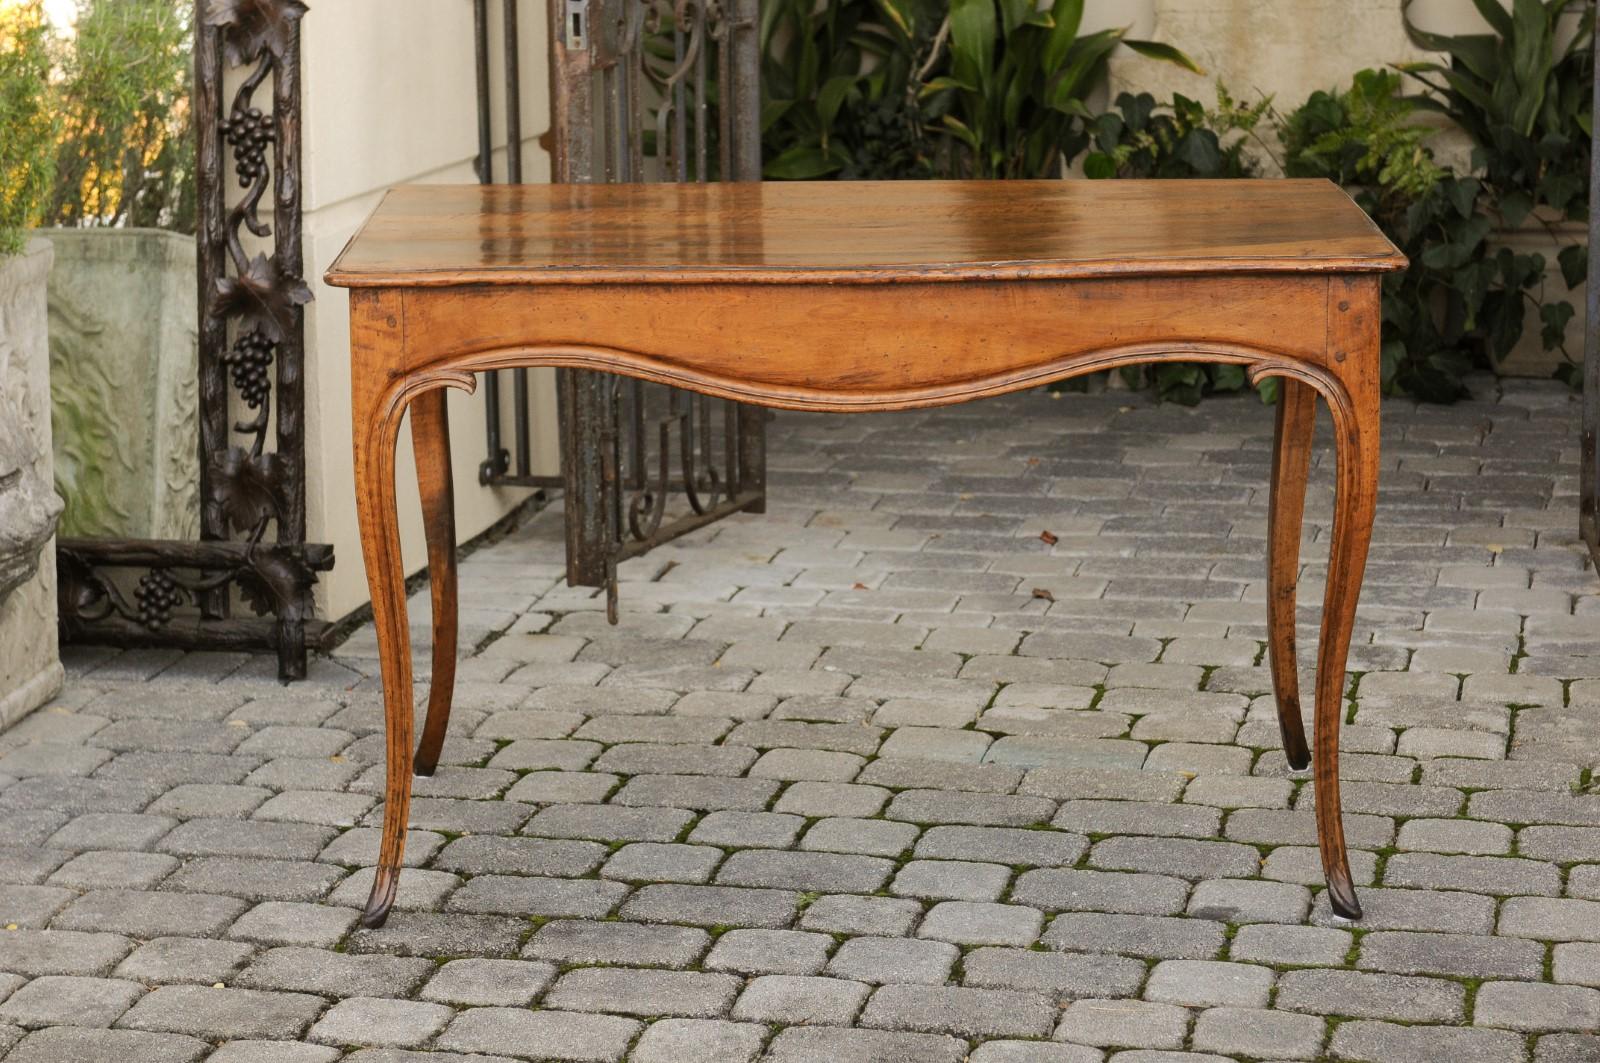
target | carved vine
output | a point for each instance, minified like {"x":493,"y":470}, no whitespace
{"x":271,"y":579}
{"x":250,"y":305}
{"x":259,"y":299}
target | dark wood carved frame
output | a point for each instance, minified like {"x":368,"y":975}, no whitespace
{"x":252,"y":551}
{"x":1589,"y":469}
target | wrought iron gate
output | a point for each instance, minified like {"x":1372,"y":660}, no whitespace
{"x":640,"y":90}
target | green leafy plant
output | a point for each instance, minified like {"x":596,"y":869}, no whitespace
{"x":125,"y":156}
{"x":1460,"y":301}
{"x":925,"y":88}
{"x":1523,"y":93}
{"x":1016,"y":81}
{"x":1180,"y":139}
{"x":27,"y":121}
{"x":1143,"y":138}
{"x":836,"y":84}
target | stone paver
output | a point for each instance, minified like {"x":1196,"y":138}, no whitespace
{"x":217,"y":1014}
{"x":884,"y":774}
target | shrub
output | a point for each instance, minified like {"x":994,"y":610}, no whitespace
{"x":1142,"y":138}
{"x":1459,"y":304}
{"x":1526,"y":101}
{"x":1181,"y":139}
{"x":126,"y":151}
{"x":27,"y":121}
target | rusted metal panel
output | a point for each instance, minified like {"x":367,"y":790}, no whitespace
{"x":634,"y":89}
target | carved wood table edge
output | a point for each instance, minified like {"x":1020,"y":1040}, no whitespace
{"x":858,"y":297}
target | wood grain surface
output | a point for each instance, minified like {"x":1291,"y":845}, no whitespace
{"x":857,"y":232}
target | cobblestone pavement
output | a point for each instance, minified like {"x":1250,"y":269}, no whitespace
{"x":885,"y":775}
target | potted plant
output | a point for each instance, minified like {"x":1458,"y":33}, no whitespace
{"x":123,"y":295}
{"x":1522,"y":93}
{"x":30,"y":666}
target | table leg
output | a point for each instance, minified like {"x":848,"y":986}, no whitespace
{"x":375,"y":424}
{"x":1291,"y":465}
{"x":430,"y":440}
{"x":1354,"y":362}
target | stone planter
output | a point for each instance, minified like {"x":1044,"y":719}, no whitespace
{"x":1529,"y":358}
{"x":30,"y":660}
{"x":123,"y":382}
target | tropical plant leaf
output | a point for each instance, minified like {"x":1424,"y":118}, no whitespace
{"x":1083,"y":61}
{"x":1013,"y":13}
{"x":1164,"y":52}
{"x":901,"y":14}
{"x":961,"y":131}
{"x":1495,"y":15}
{"x":1067,"y":16}
{"x":944,"y":82}
{"x":831,"y":98}
{"x":1530,"y":44}
{"x":972,"y":40}
{"x":803,"y":162}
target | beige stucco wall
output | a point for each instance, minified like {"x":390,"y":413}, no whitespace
{"x":1283,"y":48}
{"x":389,"y":98}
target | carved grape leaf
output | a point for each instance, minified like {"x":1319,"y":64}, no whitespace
{"x":244,"y":489}
{"x":261,"y":296}
{"x":277,"y":582}
{"x":251,"y":27}
{"x":79,"y":592}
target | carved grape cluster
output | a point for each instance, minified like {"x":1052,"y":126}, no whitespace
{"x":249,"y":359}
{"x":157,"y":596}
{"x":249,"y":131}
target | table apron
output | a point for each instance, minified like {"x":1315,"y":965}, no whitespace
{"x":872,"y":346}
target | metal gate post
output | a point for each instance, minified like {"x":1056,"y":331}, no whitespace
{"x":745,"y":154}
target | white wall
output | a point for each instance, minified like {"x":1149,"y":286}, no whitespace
{"x":389,"y":98}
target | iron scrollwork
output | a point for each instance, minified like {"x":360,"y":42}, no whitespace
{"x":252,"y":548}
{"x":651,"y":90}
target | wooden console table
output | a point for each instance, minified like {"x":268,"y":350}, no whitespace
{"x":856,"y":297}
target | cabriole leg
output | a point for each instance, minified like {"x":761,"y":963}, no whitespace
{"x":1353,"y":359}
{"x":375,"y":422}
{"x":430,"y":440}
{"x":1291,"y":466}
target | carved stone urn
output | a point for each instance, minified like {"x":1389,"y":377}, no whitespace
{"x":29,"y":505}
{"x":30,"y":663}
